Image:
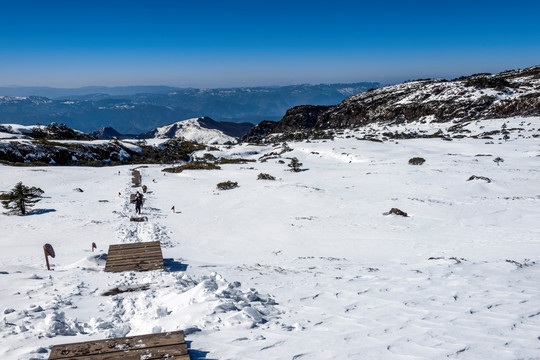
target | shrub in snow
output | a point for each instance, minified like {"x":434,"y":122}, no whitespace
{"x":285,"y":148}
{"x":227,"y":185}
{"x":498,"y":160}
{"x":194,"y":165}
{"x":235,"y":161}
{"x":416,"y":161}
{"x":525,"y":263}
{"x":263,"y":176}
{"x":209,"y":157}
{"x":295,"y":165}
{"x":20,"y":198}
{"x":483,"y":81}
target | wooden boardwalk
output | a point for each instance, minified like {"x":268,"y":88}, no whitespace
{"x":142,"y":256}
{"x":136,"y":178}
{"x":169,"y":345}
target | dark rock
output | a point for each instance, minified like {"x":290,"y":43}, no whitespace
{"x":474,"y":177}
{"x":138,"y":219}
{"x":396,"y":211}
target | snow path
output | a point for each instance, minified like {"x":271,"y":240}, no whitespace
{"x":148,"y":301}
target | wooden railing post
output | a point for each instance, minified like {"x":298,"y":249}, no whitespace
{"x":49,"y":251}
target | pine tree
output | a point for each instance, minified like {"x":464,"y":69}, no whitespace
{"x":295,"y":165}
{"x":21,"y":198}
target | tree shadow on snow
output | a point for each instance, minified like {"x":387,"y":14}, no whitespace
{"x":173,"y":266}
{"x":40,"y":211}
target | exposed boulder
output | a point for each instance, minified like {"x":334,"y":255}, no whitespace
{"x":474,"y":177}
{"x":259,"y":131}
{"x":396,"y":211}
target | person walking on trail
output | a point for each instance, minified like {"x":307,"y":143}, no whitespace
{"x":138,"y":203}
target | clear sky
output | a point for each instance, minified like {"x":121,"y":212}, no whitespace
{"x":72,"y":43}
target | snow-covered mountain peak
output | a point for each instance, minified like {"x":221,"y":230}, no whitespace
{"x":195,"y":129}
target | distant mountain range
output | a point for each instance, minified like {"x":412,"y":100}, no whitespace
{"x":138,"y":109}
{"x":456,"y":103}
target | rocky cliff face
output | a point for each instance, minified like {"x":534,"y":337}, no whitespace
{"x":480,"y":96}
{"x":259,"y":131}
{"x":303,"y":117}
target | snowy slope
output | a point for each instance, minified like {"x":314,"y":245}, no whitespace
{"x":308,"y":266}
{"x":14,"y":131}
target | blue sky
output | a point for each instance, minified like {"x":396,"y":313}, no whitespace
{"x":249,"y":43}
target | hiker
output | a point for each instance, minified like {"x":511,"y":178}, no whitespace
{"x":138,"y":202}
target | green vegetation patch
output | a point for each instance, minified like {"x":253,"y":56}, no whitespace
{"x":225,"y":161}
{"x":227,"y":185}
{"x":263,"y":176}
{"x":482,"y":82}
{"x":195,"y":165}
{"x":416,"y":161}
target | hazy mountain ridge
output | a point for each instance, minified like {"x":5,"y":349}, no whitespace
{"x":139,"y":112}
{"x":480,"y":96}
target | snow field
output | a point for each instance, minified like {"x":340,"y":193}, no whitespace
{"x":304,"y":267}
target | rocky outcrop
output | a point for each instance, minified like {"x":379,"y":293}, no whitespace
{"x":259,"y":131}
{"x":53,"y":153}
{"x":303,"y":117}
{"x":480,"y":96}
{"x":106,"y":133}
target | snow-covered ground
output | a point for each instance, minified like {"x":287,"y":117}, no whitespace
{"x":308,"y":266}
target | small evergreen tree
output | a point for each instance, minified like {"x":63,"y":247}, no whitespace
{"x":295,"y":165}
{"x":21,"y":198}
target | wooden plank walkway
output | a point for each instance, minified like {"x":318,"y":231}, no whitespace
{"x":169,"y":345}
{"x":142,"y":256}
{"x":136,"y":178}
